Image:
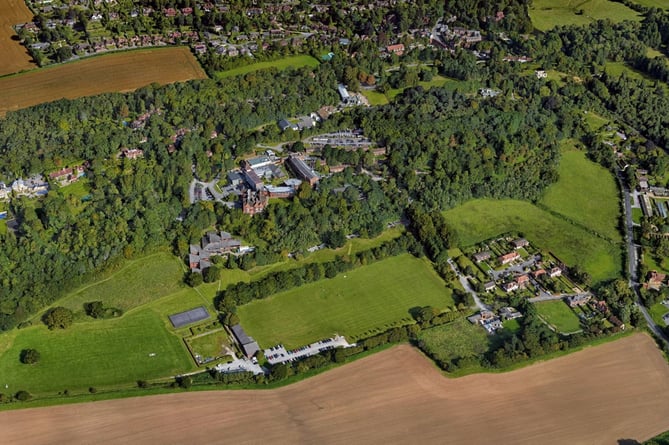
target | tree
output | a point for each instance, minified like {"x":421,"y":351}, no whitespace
{"x":59,"y":317}
{"x":194,"y":279}
{"x":211,"y":274}
{"x":30,"y":356}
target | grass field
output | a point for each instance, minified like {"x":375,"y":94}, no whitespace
{"x":210,"y":345}
{"x":657,"y":311}
{"x":374,"y":97}
{"x":353,"y":304}
{"x":559,"y":314}
{"x":13,"y":55}
{"x":97,"y":353}
{"x":456,"y":340}
{"x":138,"y":282}
{"x":662,"y":4}
{"x":481,"y":219}
{"x":123,"y":71}
{"x":586,"y":193}
{"x":546,"y":14}
{"x":282,"y":64}
{"x":594,"y":120}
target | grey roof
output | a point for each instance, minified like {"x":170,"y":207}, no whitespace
{"x":250,"y":349}
{"x":188,"y":317}
{"x":240,"y":335}
{"x":301,"y":168}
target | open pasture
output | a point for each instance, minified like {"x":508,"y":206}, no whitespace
{"x":395,"y":396}
{"x":352,"y":304}
{"x":281,"y":64}
{"x":547,"y":14}
{"x":122,"y":71}
{"x":587,"y":194}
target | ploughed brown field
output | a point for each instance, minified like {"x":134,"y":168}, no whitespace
{"x":619,"y":390}
{"x":13,"y":56}
{"x":125,"y":71}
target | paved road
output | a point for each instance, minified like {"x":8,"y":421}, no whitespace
{"x":518,"y":268}
{"x":465,"y":284}
{"x":632,"y":260}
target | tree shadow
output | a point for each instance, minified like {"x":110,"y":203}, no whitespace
{"x":628,"y":442}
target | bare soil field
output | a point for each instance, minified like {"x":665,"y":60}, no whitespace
{"x":13,"y":56}
{"x":619,"y":390}
{"x":125,"y":71}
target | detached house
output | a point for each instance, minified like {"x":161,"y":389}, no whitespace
{"x":509,"y":257}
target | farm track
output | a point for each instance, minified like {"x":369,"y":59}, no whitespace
{"x":121,"y":72}
{"x":619,"y":390}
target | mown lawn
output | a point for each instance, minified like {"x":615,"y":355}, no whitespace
{"x":657,"y":311}
{"x":559,"y":314}
{"x":456,"y":340}
{"x":282,"y":64}
{"x":374,"y":97}
{"x":585,"y":193}
{"x":547,"y":14}
{"x":481,"y":219}
{"x":104,"y":353}
{"x":138,"y":282}
{"x":355,"y":303}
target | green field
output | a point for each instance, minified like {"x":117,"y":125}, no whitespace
{"x":374,"y":97}
{"x":559,"y":314}
{"x":657,"y":311}
{"x":354,"y":303}
{"x":637,"y":214}
{"x":587,"y":194}
{"x":138,"y":282}
{"x":282,"y":64}
{"x":662,"y":4}
{"x":481,"y":219}
{"x":594,"y":120}
{"x":546,"y":14}
{"x":98,"y":353}
{"x":210,"y":345}
{"x":455,"y":340}
{"x":78,"y":189}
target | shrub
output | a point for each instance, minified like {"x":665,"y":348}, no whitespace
{"x":23,"y":396}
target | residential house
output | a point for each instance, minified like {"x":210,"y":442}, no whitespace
{"x":491,"y":325}
{"x":482,"y":256}
{"x":541,"y":74}
{"x":68,"y":175}
{"x":285,"y":125}
{"x":555,"y":272}
{"x":510,"y":287}
{"x":655,"y":280}
{"x":395,"y":49}
{"x":539,"y":273}
{"x":520,"y":243}
{"x":489,"y":92}
{"x":523,"y":280}
{"x":489,"y":286}
{"x":509,"y":313}
{"x":131,"y":153}
{"x":4,"y":191}
{"x":602,"y":307}
{"x":509,"y":257}
{"x":578,"y":300}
